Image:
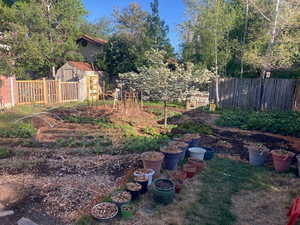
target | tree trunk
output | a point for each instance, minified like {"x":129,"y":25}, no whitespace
{"x":216,"y":54}
{"x":244,"y":36}
{"x":165,"y":114}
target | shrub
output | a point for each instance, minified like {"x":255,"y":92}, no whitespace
{"x":285,"y":123}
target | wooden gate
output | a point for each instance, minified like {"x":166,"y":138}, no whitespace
{"x":46,"y":91}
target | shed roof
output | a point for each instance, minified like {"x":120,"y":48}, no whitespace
{"x":81,"y":65}
{"x":92,"y":39}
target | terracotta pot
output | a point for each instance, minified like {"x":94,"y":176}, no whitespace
{"x":153,"y":160}
{"x":190,"y":170}
{"x":281,"y":162}
{"x":199,"y":164}
{"x":178,"y":186}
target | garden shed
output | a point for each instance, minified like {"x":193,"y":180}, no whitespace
{"x":88,"y":78}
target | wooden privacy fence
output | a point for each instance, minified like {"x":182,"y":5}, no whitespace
{"x":258,"y":94}
{"x":46,"y":91}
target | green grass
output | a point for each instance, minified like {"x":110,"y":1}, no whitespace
{"x":160,"y":103}
{"x":85,"y":220}
{"x":220,"y":181}
{"x":285,"y":123}
{"x":19,"y":130}
{"x":192,"y":127}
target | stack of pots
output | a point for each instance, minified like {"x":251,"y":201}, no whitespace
{"x":192,"y":139}
{"x":257,"y":154}
{"x":172,"y":156}
{"x":153,"y":160}
{"x":149,"y":173}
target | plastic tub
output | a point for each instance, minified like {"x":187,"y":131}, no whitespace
{"x":149,"y":173}
{"x":163,"y":191}
{"x":197,"y":153}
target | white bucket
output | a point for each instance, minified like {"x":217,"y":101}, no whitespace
{"x":197,"y":153}
{"x":148,"y":175}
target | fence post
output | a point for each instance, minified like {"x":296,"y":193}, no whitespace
{"x":59,"y":91}
{"x":45,"y":87}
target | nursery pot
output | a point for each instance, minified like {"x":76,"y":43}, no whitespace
{"x":197,"y":153}
{"x":118,"y":203}
{"x":143,"y":181}
{"x":182,"y":146}
{"x":281,"y":162}
{"x":256,"y":157}
{"x":209,"y":154}
{"x":195,"y":142}
{"x":163,"y":191}
{"x":153,"y":160}
{"x":190,"y":170}
{"x":105,"y":218}
{"x":171,"y":160}
{"x":145,"y":172}
{"x":135,"y":193}
{"x":199,"y":164}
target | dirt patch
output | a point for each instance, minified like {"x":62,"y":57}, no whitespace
{"x":268,"y":206}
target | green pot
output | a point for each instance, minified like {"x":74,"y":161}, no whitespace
{"x":163,"y":191}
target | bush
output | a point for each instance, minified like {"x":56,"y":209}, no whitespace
{"x":285,"y":123}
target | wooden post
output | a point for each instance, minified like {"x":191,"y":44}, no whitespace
{"x":60,"y":100}
{"x":45,"y":88}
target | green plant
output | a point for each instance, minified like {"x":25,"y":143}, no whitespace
{"x":84,"y":220}
{"x":4,"y":153}
{"x":192,"y":127}
{"x":20,"y":130}
{"x":128,"y":131}
{"x":285,"y":123}
{"x":150,"y":131}
{"x":142,"y":143}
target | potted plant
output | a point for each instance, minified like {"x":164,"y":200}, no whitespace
{"x":178,"y":177}
{"x":257,"y":154}
{"x":163,"y":191}
{"x":134,"y":189}
{"x":104,"y":211}
{"x":145,"y":172}
{"x":142,"y":180}
{"x":120,"y":198}
{"x":282,"y":160}
{"x":181,"y":145}
{"x":153,"y":160}
{"x":192,"y":139}
{"x":172,"y":156}
{"x":127,"y":211}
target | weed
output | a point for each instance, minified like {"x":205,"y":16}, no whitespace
{"x":128,"y":131}
{"x":4,"y":153}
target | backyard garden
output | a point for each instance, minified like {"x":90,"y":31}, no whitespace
{"x":57,"y":163}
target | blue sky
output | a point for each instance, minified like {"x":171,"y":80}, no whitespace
{"x":172,"y":11}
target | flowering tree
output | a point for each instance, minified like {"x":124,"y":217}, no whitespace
{"x":164,"y":83}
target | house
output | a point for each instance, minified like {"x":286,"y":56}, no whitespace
{"x":88,"y":78}
{"x":90,"y":47}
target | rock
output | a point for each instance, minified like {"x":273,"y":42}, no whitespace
{"x":6,"y":213}
{"x":11,"y":194}
{"x":25,"y":221}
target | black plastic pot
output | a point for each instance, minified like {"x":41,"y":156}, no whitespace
{"x":171,"y":160}
{"x":144,"y":186}
{"x":209,"y":154}
{"x":194,"y":143}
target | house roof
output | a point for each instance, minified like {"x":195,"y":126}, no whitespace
{"x":92,"y":39}
{"x":81,"y":66}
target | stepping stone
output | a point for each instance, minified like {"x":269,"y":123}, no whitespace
{"x":25,"y":221}
{"x":6,"y":213}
